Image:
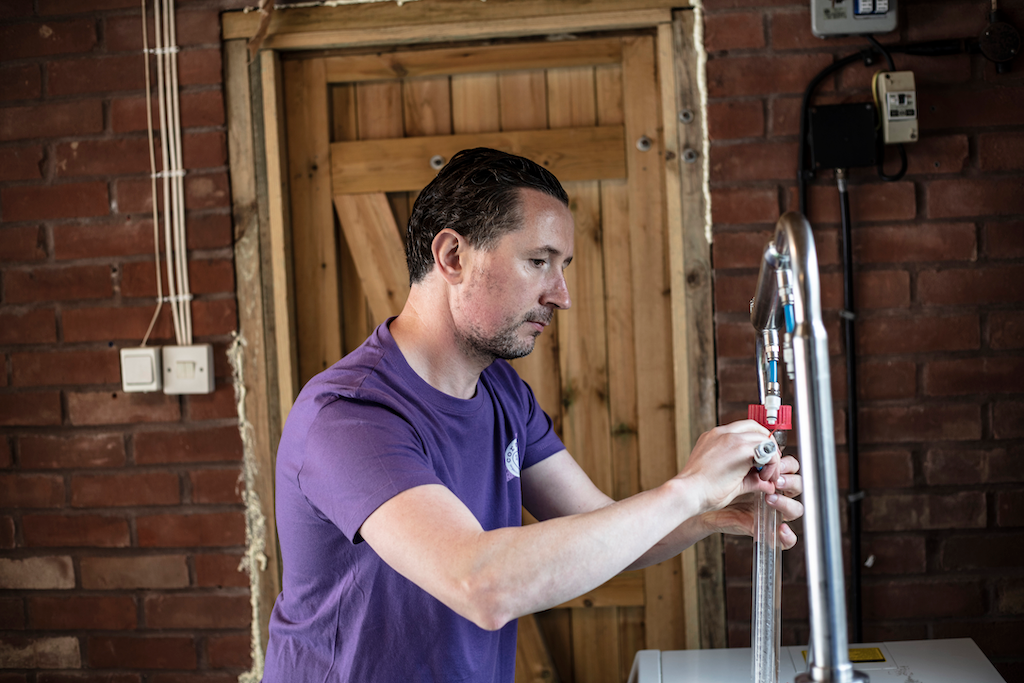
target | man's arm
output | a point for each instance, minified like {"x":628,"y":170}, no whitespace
{"x":491,"y":577}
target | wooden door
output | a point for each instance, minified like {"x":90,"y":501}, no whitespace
{"x":362,"y":132}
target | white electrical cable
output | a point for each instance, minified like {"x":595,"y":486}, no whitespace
{"x":152,"y":178}
{"x":174,"y":142}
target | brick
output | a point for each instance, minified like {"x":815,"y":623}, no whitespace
{"x":731,"y":120}
{"x":215,"y":444}
{"x":135,"y":195}
{"x":24,"y":41}
{"x":881,"y":470}
{"x":203,"y":611}
{"x":21,"y":163}
{"x":114,"y":156}
{"x":220,"y":571}
{"x":736,"y":383}
{"x":51,"y":120}
{"x":964,"y":467}
{"x":194,"y":27}
{"x":234,"y":651}
{"x":1010,"y":508}
{"x":210,"y":231}
{"x":205,"y":677}
{"x":916,"y":243}
{"x":943,"y":107}
{"x":87,"y":531}
{"x":886,"y":380}
{"x":32,"y":490}
{"x":933,"y":154}
{"x":784,"y":116}
{"x":966,"y":287}
{"x":919,"y":334}
{"x":935,"y":21}
{"x":932,"y":600}
{"x":64,"y":283}
{"x":911,"y":512}
{"x":204,"y":150}
{"x":37,"y":573}
{"x":47,"y":202}
{"x":215,"y":317}
{"x":200,"y":67}
{"x":975,"y":197}
{"x":739,"y":249}
{"x":973,"y":376}
{"x":733,"y":31}
{"x":741,"y":76}
{"x":129,"y":236}
{"x":206,"y":276}
{"x":215,"y":529}
{"x":21,"y":82}
{"x":155,"y":572}
{"x":1008,"y":420}
{"x":878,"y":289}
{"x":1004,"y":240}
{"x":1011,"y":598}
{"x":36,"y":326}
{"x":219,"y":405}
{"x":733,"y":292}
{"x":106,"y":407}
{"x":47,"y":7}
{"x":982,"y":551}
{"x":1006,"y":329}
{"x":27,"y":243}
{"x":97,"y":75}
{"x":753,"y":161}
{"x":207,"y":191}
{"x":895,"y":555}
{"x":942,"y":422}
{"x":115,"y":323}
{"x":929,"y":72}
{"x":198,"y":109}
{"x":12,"y":614}
{"x":72,"y":452}
{"x":744,"y":206}
{"x":875,"y":202}
{"x":41,"y":653}
{"x":1001,"y":151}
{"x":65,"y":367}
{"x":82,"y":613}
{"x":8,"y":533}
{"x":39,"y":408}
{"x":153,"y":652}
{"x":211,"y":487}
{"x":121,"y":490}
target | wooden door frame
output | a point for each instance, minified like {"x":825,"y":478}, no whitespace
{"x":268,"y":360}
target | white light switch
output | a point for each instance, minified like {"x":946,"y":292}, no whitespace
{"x":140,"y":369}
{"x":188,"y":369}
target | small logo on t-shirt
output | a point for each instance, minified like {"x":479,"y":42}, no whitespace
{"x":512,"y":459}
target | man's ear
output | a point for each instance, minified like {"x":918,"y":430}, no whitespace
{"x":449,"y":249}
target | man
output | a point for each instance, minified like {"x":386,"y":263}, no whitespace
{"x":403,"y":468}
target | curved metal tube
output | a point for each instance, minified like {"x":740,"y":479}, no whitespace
{"x":790,"y":262}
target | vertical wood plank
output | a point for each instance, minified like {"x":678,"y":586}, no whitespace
{"x":523,"y":99}
{"x":475,"y":103}
{"x":355,"y":319}
{"x":309,"y":166}
{"x":595,"y":644}
{"x":265,"y":580}
{"x":427,"y":106}
{"x":651,"y":321}
{"x":693,"y":316}
{"x":279,"y":233}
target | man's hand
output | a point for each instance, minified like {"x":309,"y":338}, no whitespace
{"x":739,"y":517}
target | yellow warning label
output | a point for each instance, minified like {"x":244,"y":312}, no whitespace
{"x":861,"y":655}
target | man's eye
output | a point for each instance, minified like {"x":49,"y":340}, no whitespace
{"x":539,"y":262}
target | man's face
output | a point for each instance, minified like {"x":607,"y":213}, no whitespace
{"x":512,"y":290}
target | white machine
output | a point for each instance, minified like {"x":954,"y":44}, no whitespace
{"x":913,"y":661}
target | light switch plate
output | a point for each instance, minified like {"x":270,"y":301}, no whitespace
{"x":140,"y":369}
{"x":188,"y":369}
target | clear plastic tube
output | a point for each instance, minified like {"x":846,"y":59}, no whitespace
{"x":766,"y":617}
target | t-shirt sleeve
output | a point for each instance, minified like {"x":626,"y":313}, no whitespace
{"x":543,"y":442}
{"x":357,"y":457}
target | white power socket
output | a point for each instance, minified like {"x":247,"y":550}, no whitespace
{"x":140,"y":369}
{"x":188,"y":369}
{"x":897,"y":98}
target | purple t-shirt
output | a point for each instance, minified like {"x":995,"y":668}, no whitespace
{"x":359,"y":433}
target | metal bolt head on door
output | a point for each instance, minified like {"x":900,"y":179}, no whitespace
{"x":437,"y":162}
{"x":644,"y":144}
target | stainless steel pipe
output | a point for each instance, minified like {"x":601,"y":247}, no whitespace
{"x":789,"y":278}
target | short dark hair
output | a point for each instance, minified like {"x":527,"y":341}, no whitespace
{"x":477,"y":195}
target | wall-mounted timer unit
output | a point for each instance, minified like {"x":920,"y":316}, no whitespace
{"x":852,"y":17}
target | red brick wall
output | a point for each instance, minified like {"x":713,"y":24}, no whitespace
{"x":121,"y":524}
{"x":940,"y":298}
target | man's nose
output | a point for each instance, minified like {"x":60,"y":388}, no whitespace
{"x":558,"y":294}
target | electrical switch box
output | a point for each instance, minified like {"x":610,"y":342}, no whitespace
{"x":140,"y":369}
{"x":188,"y":369}
{"x":897,"y":98}
{"x":852,"y":17}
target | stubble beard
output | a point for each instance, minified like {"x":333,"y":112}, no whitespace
{"x":506,"y":343}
